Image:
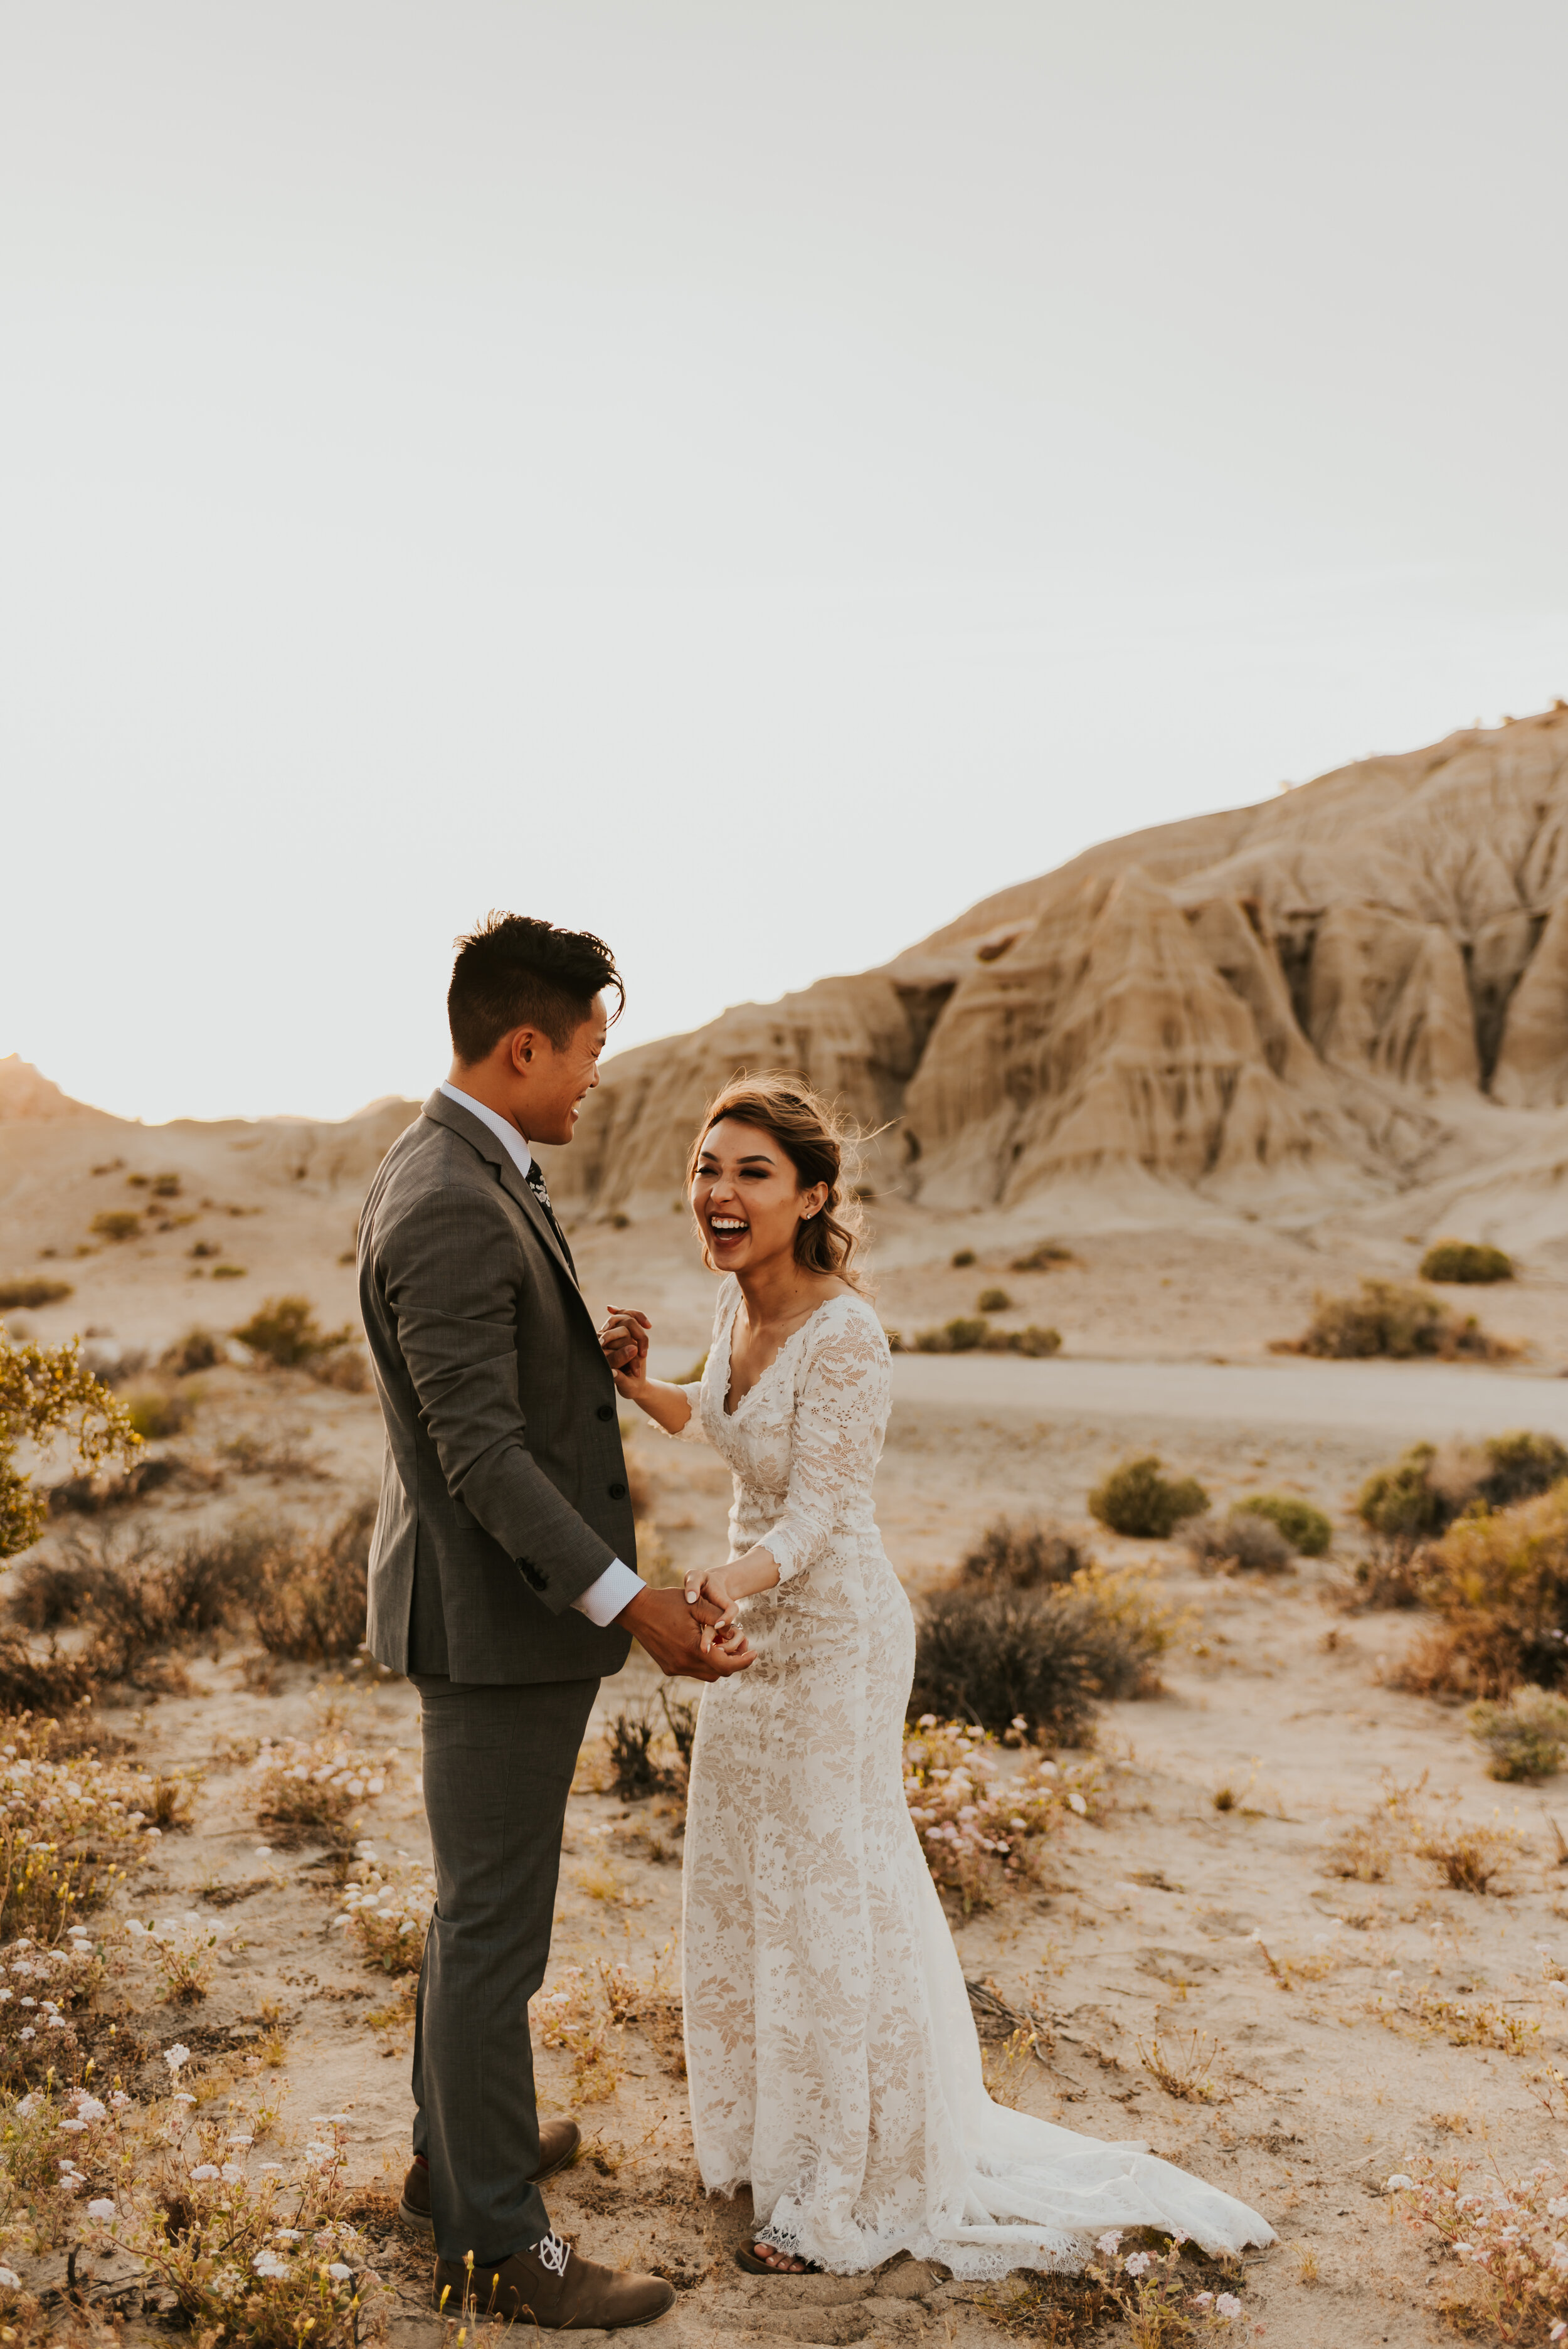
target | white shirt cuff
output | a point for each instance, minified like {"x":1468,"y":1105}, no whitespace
{"x":616,"y":1589}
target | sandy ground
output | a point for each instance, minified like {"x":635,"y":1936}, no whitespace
{"x":1325,"y":2040}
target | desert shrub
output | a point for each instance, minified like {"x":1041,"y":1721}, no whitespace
{"x":1525,"y":1736}
{"x":284,"y":1330}
{"x":1137,"y":1499}
{"x":34,"y":1683}
{"x":347,"y":1368}
{"x":1509,"y":2239}
{"x":309,"y":1598}
{"x":960,"y":1336}
{"x":1035,"y":1343}
{"x":1306,"y":1529}
{"x":314,"y":1784}
{"x":963,"y":1259}
{"x":228,"y":1272}
{"x":89,"y":1496}
{"x":259,"y":2258}
{"x":980,"y":1836}
{"x":1501,"y":1584}
{"x":158,"y":1412}
{"x":138,"y":1597}
{"x":198,"y":1349}
{"x":117,"y":1224}
{"x":965,"y":1335}
{"x":48,"y":1390}
{"x":47,"y":2036}
{"x":1034,"y":1661}
{"x":1520,"y":1466}
{"x":1427,"y":1488}
{"x":1404,"y":1324}
{"x":993,"y":1300}
{"x":26,"y":1296}
{"x":1402,"y":1503}
{"x":1466,"y":1260}
{"x":649,"y":1756}
{"x":386,"y":1909}
{"x":185,"y":1951}
{"x":1026,"y":1557}
{"x":1042,"y":1257}
{"x":68,"y":1823}
{"x":1250,"y":1543}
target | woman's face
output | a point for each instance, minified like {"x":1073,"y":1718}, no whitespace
{"x":746,"y":1196}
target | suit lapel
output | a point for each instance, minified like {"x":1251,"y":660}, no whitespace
{"x":452,"y":1115}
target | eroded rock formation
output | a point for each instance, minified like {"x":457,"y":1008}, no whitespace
{"x":1335,"y":994}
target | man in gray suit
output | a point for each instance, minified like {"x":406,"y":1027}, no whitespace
{"x":503,"y":1582}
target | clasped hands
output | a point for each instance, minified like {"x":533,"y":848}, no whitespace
{"x":710,"y":1597}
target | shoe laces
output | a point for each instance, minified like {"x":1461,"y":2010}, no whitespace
{"x":553,"y":2253}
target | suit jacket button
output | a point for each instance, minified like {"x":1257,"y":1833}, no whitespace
{"x":618,"y":1492}
{"x":607,"y":1411}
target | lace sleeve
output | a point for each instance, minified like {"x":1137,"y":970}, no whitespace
{"x":840,"y":1416}
{"x":693,"y":1431}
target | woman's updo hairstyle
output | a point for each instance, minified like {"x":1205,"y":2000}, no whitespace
{"x":820,"y":1147}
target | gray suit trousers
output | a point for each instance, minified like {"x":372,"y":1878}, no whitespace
{"x":498,"y":1765}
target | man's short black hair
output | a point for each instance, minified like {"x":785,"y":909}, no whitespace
{"x":514,"y":972}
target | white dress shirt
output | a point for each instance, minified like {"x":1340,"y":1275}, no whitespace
{"x":618,"y":1585}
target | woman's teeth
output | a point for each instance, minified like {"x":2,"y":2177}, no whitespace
{"x":727,"y":1225}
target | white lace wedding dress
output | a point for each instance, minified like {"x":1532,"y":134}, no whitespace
{"x":831,"y":2052}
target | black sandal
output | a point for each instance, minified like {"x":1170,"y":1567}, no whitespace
{"x":747,"y":2259}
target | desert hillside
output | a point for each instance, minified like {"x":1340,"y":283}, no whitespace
{"x":1354,"y":991}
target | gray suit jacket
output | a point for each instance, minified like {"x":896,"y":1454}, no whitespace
{"x":504,"y":1492}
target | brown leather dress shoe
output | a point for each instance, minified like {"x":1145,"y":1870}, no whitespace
{"x":554,"y":2288}
{"x":557,"y":2141}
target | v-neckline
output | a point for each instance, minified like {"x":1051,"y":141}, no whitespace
{"x":762,"y":1373}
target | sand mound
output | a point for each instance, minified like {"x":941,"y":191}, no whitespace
{"x":1355,"y":988}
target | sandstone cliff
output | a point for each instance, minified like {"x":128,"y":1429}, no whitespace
{"x":1355,"y":988}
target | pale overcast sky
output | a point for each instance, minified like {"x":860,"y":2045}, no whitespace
{"x":748,"y":477}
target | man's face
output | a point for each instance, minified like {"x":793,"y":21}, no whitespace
{"x":558,"y":1082}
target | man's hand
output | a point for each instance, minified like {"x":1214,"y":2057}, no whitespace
{"x":662,"y":1623}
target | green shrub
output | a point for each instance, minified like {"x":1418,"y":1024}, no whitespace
{"x":1402,"y":1503}
{"x":1243,"y":1539}
{"x":26,"y":1296}
{"x":117,"y":1224}
{"x":1403,"y":1324}
{"x":1026,"y":1557}
{"x":993,"y":1300}
{"x":958,"y":1336}
{"x":1426,"y":1489}
{"x":228,"y":1272}
{"x":1035,"y":1659}
{"x":1135,"y":1499}
{"x":1042,"y":1257}
{"x":962,"y":1257}
{"x":1466,"y":1260}
{"x":284,"y":1330}
{"x":156,"y":1414}
{"x":1520,"y":1466}
{"x":1306,"y":1529}
{"x":1526,"y":1737}
{"x":1035,"y":1343}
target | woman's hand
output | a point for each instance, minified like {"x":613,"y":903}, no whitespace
{"x":725,"y":1586}
{"x":624,"y":1341}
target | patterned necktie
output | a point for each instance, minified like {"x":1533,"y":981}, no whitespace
{"x":536,"y":1183}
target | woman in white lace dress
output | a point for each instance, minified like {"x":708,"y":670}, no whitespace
{"x":831,"y":2051}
